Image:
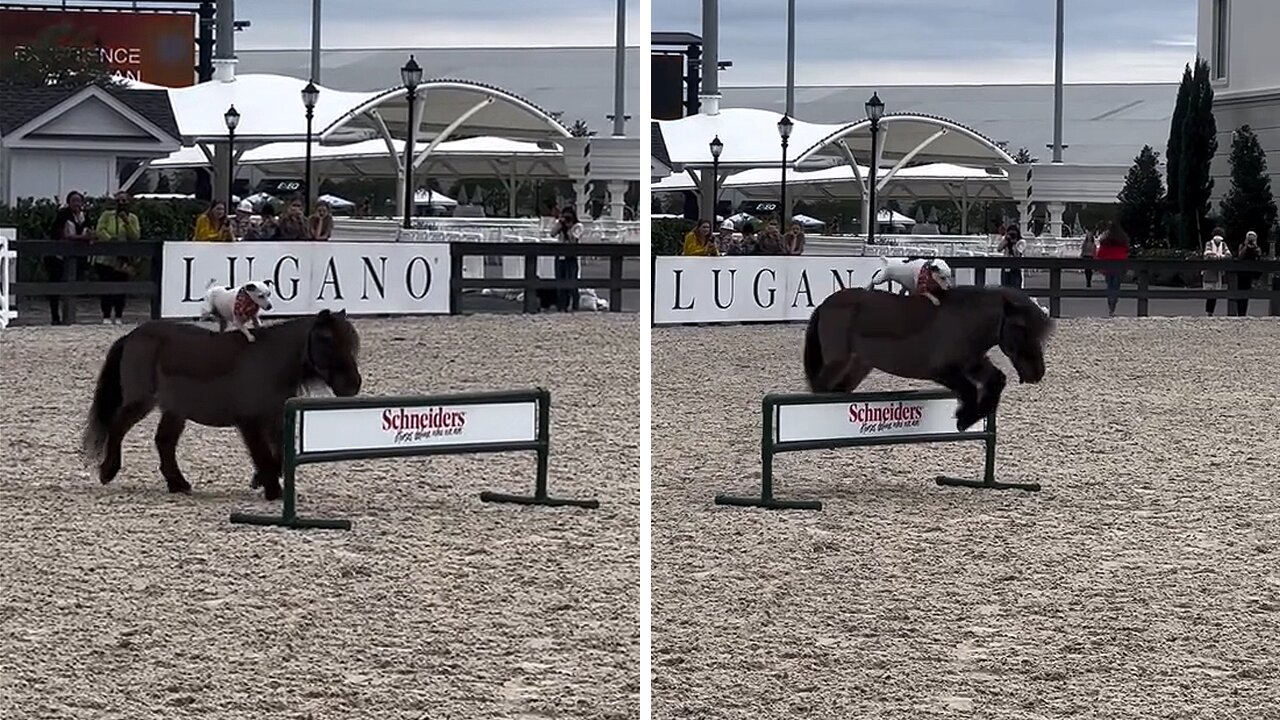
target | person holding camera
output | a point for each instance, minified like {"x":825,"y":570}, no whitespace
{"x":568,"y":230}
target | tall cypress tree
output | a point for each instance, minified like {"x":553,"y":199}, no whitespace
{"x":1199,"y":145}
{"x":1173,"y":156}
{"x":1142,"y":201}
{"x":1248,"y":205}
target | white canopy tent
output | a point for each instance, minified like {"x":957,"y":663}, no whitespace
{"x":750,"y":139}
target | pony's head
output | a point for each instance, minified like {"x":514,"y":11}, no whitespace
{"x":1024,"y":328}
{"x":333,"y":351}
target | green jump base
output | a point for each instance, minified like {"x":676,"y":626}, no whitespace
{"x":297,"y":523}
{"x":536,"y":500}
{"x":768,"y":503}
{"x":985,"y":485}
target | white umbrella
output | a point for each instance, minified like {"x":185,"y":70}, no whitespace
{"x":335,"y":201}
{"x":808,"y":221}
{"x":431,"y":197}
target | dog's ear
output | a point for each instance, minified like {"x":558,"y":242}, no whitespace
{"x":251,"y":287}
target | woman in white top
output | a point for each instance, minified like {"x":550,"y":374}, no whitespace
{"x":569,"y":230}
{"x":1215,"y":249}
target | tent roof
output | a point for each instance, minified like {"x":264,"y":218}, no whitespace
{"x":938,"y":180}
{"x":920,"y":137}
{"x":469,"y":157}
{"x":750,"y":138}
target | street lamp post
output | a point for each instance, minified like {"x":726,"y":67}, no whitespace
{"x":411,"y":76}
{"x":875,"y":111}
{"x":232,"y":119}
{"x":310,"y":94}
{"x":784,"y":130}
{"x":717,"y":147}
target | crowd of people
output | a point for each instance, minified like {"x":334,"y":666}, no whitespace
{"x":770,"y":241}
{"x":118,"y":223}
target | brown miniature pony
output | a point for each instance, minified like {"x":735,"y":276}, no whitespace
{"x":219,"y":380}
{"x":856,"y":330}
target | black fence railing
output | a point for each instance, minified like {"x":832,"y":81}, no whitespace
{"x":530,"y":283}
{"x":1139,"y":272}
{"x":75,"y":281}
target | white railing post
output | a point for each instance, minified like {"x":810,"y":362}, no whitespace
{"x":8,"y":267}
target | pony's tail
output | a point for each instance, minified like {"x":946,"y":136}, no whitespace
{"x":107,"y":399}
{"x":812,"y":351}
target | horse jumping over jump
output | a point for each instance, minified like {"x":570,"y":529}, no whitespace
{"x":219,"y":380}
{"x":856,"y":330}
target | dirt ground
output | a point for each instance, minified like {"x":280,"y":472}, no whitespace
{"x":123,"y":601}
{"x":1142,"y":582}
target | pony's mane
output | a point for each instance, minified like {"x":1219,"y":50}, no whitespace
{"x":301,"y":327}
{"x":1038,"y":324}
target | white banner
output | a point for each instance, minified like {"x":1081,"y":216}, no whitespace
{"x":381,"y":428}
{"x":363,"y":278}
{"x":754,"y":288}
{"x":859,"y":419}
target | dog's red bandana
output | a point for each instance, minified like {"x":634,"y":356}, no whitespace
{"x":925,"y":282}
{"x":245,"y":308}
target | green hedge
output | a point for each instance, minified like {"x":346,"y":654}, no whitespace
{"x":668,"y":235}
{"x":160,"y":220}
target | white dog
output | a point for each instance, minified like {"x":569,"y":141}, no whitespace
{"x":239,"y":306}
{"x":914,"y":275}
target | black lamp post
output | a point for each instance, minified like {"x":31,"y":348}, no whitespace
{"x":875,"y":111}
{"x":784,"y":130}
{"x":411,"y":76}
{"x":310,"y":94}
{"x":717,"y":147}
{"x":232,"y":118}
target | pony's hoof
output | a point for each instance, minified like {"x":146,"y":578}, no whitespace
{"x":180,"y":487}
{"x":271,"y":491}
{"x":107,"y":474}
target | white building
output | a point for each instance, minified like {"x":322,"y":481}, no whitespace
{"x":1237,"y":37}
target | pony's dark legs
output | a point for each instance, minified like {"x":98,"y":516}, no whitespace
{"x":267,"y":467}
{"x":126,"y":417}
{"x":167,"y":434}
{"x":958,"y":382}
{"x":991,"y":382}
{"x":275,"y":440}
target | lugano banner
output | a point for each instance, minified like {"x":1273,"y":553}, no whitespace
{"x":364,"y":278}
{"x":738,"y":288}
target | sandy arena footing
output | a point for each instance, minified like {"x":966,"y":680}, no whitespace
{"x":123,"y":601}
{"x":1142,"y":582}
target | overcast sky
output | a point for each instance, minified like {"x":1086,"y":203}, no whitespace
{"x":856,"y":42}
{"x":435,"y":23}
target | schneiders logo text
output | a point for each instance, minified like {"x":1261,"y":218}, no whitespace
{"x":422,"y":424}
{"x":881,"y":418}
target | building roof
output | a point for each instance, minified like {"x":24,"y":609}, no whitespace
{"x":19,"y":106}
{"x":1104,"y":123}
{"x":574,"y":82}
{"x":658,"y":146}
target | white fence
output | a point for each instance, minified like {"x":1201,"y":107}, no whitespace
{"x":463,"y":229}
{"x":8,"y":270}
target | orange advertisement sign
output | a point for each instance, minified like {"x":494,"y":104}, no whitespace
{"x":152,"y":47}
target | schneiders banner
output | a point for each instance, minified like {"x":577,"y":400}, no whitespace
{"x":381,"y":428}
{"x":364,"y":278}
{"x":745,"y":288}
{"x":883,"y":418}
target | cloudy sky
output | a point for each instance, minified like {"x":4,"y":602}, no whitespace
{"x":435,"y":23}
{"x":853,"y":42}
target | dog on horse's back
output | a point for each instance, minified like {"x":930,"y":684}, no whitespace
{"x":856,"y":330}
{"x":917,"y":275}
{"x":238,"y":306}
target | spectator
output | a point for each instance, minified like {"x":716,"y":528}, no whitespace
{"x":793,"y":241}
{"x":1088,"y":249}
{"x":698,"y":241}
{"x":243,"y":219}
{"x":568,"y":230}
{"x":1012,"y":245}
{"x":730,"y":241}
{"x":321,"y":222}
{"x":212,"y":225}
{"x":267,"y":227}
{"x":294,"y":225}
{"x":117,"y":224}
{"x":1249,"y":251}
{"x":1215,"y":249}
{"x":750,"y":239}
{"x":68,"y":224}
{"x":770,"y":241}
{"x":1113,"y":245}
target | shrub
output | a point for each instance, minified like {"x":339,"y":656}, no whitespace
{"x":668,"y":235}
